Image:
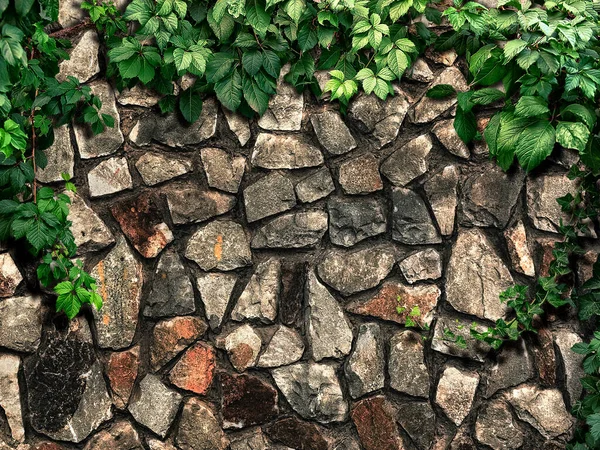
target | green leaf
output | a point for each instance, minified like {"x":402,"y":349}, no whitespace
{"x":223,"y":27}
{"x":465,"y":125}
{"x":535,"y":144}
{"x":492,"y":71}
{"x":69,"y":304}
{"x":130,"y":68}
{"x":487,"y":96}
{"x":271,"y":63}
{"x":23,"y":6}
{"x":252,"y":61}
{"x":295,"y":9}
{"x":513,"y":48}
{"x":398,"y":63}
{"x":257,"y":99}
{"x":511,"y":128}
{"x":491,"y":134}
{"x":529,"y":106}
{"x":218,"y":66}
{"x":64,"y":287}
{"x":581,"y":112}
{"x":229,"y":91}
{"x":572,"y":135}
{"x":307,"y":37}
{"x":190,"y":105}
{"x":258,"y":18}
{"x":441,"y":91}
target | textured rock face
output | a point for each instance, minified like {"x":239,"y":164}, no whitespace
{"x":241,"y":395}
{"x":10,"y":277}
{"x":496,"y":428}
{"x":156,"y":168}
{"x":332,"y":132}
{"x":360,"y":175}
{"x":285,"y":347}
{"x":293,"y":432}
{"x":171,"y":131}
{"x":441,"y":192}
{"x":208,"y":436}
{"x":285,"y":108}
{"x":408,"y":162}
{"x":243,"y":346}
{"x":89,"y":231}
{"x":520,"y":255}
{"x":412,"y":223}
{"x":189,"y":204}
{"x":544,"y":211}
{"x":424,"y":265}
{"x":109,"y":177}
{"x":418,"y":420}
{"x":352,"y":220}
{"x":239,"y":126}
{"x":374,"y":421}
{"x":477,"y":351}
{"x":21,"y":323}
{"x":120,"y":436}
{"x":427,"y":109}
{"x":10,"y":400}
{"x":83,"y":59}
{"x":364,"y":369}
{"x":223,"y":171}
{"x":513,"y":366}
{"x":268,"y":196}
{"x":215,"y":291}
{"x":170,"y":337}
{"x":446,"y":134}
{"x":292,"y":230}
{"x":260,"y":297}
{"x":122,"y":370}
{"x":195,"y":370}
{"x":406,"y":366}
{"x":456,"y":392}
{"x":316,"y":186}
{"x":572,"y":362}
{"x":272,"y":151}
{"x":60,"y":155}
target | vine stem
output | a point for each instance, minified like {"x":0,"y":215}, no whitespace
{"x":33,"y":137}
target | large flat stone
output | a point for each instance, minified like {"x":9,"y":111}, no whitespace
{"x":60,"y":156}
{"x":21,"y":323}
{"x":406,"y":365}
{"x":285,"y":108}
{"x":273,"y":151}
{"x":270,"y":195}
{"x":215,"y":291}
{"x":456,"y":392}
{"x":292,"y":230}
{"x":427,"y":109}
{"x":83,"y":59}
{"x":364,"y":368}
{"x":209,"y":436}
{"x":285,"y":347}
{"x":374,"y":419}
{"x":260,"y":297}
{"x":316,"y":186}
{"x":90,"y":232}
{"x":352,"y":220}
{"x":412,"y":223}
{"x":332,"y":132}
{"x":360,"y":175}
{"x":441,"y":190}
{"x":190,"y":203}
{"x":10,"y":398}
{"x":247,"y":401}
{"x":156,"y":168}
{"x":544,"y":211}
{"x":109,"y":177}
{"x":408,"y":162}
{"x":223,"y":170}
{"x":174,"y":132}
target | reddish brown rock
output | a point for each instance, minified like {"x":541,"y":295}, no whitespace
{"x":170,"y":337}
{"x":546,"y":247}
{"x":122,"y":370}
{"x":121,"y":436}
{"x":516,"y":240}
{"x":293,"y":276}
{"x":297,"y":434}
{"x":361,"y":175}
{"x":543,"y":349}
{"x":196,"y":369}
{"x":374,"y":419}
{"x":585,"y":266}
{"x":48,"y":446}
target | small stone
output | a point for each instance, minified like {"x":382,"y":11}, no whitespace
{"x":119,"y":279}
{"x":332,"y":132}
{"x":252,"y":439}
{"x":476,"y":276}
{"x":351,"y":272}
{"x":512,"y":367}
{"x":239,"y":126}
{"x":293,"y":277}
{"x":423,"y":265}
{"x":139,"y":95}
{"x":155,"y":405}
{"x":445,"y":132}
{"x":352,"y":220}
{"x":456,"y":392}
{"x":223,"y":171}
{"x":406,"y":366}
{"x":171,"y":336}
{"x":107,"y":142}
{"x":156,"y":168}
{"x":10,"y":397}
{"x":313,"y":391}
{"x":70,"y":13}
{"x":246,"y":401}
{"x":408,"y":162}
{"x":190,"y":204}
{"x":215,"y":292}
{"x":374,"y":419}
{"x":90,"y":232}
{"x":221,"y":245}
{"x":260,"y":297}
{"x":447,"y":57}
{"x":195,"y":370}
{"x":273,"y":151}
{"x":21,"y":323}
{"x":122,"y":371}
{"x":60,"y":156}
{"x":270,"y":195}
{"x":418,"y":420}
{"x":285,"y":347}
{"x":243,"y":346}
{"x":441,"y":190}
{"x":360,"y":175}
{"x":316,"y":186}
{"x":120,"y":436}
{"x":142,"y":132}
{"x":172,"y":293}
{"x":364,"y":368}
{"x":155,"y":444}
{"x":199,"y":428}
{"x":297,"y":434}
{"x":10,"y":276}
{"x":285,"y":107}
{"x":171,"y":131}
{"x":475,"y":350}
{"x":292,"y":230}
{"x":83,"y":59}
{"x":572,"y":363}
{"x":420,"y":71}
{"x":329,"y":332}
{"x":412,"y":223}
{"x":496,"y":428}
{"x":585,"y":266}
{"x":109,"y":177}
{"x":427,"y":109}
{"x":518,"y":249}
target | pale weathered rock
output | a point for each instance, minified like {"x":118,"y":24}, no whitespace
{"x":475,"y":350}
{"x":156,"y":168}
{"x":171,"y":336}
{"x":260,"y":297}
{"x":142,"y":132}
{"x":408,"y":162}
{"x":189,"y":203}
{"x":360,"y":175}
{"x":273,"y":151}
{"x":427,"y":108}
{"x":239,"y":126}
{"x":313,"y":390}
{"x":253,"y":439}
{"x":420,"y":71}
{"x":513,"y":366}
{"x":518,"y":249}
{"x":171,"y":131}
{"x":207,"y":436}
{"x":476,"y":276}
{"x":10,"y":276}
{"x":329,"y":332}
{"x":364,"y":368}
{"x":122,"y":370}
{"x":496,"y":428}
{"x":351,"y":272}
{"x":10,"y":399}
{"x":418,"y":420}
{"x":316,"y":186}
{"x":155,"y":405}
{"x":109,"y":177}
{"x":242,"y":345}
{"x":138,"y":95}
{"x":215,"y":292}
{"x":572,"y":362}
{"x":285,"y":347}
{"x":89,"y":231}
{"x":285,"y":108}
{"x":223,"y":170}
{"x":456,"y":392}
{"x":195,"y":369}
{"x":332,"y":132}
{"x":406,"y":366}
{"x":60,"y":156}
{"x":542,"y":192}
{"x":119,"y":278}
{"x":70,"y":13}
{"x":120,"y":436}
{"x":270,"y":195}
{"x":374,"y":419}
{"x":292,"y":230}
{"x":446,"y":57}
{"x":21,"y":323}
{"x":445,"y":132}
{"x":423,"y":265}
{"x":247,"y":401}
{"x":441,"y":190}
{"x":155,"y":444}
{"x":412,"y":223}
{"x":352,"y":220}
{"x":83,"y":59}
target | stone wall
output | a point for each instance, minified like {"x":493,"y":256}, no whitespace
{"x":252,"y":270}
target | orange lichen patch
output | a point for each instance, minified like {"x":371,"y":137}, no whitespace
{"x":105,"y":319}
{"x":241,"y":355}
{"x":196,"y":369}
{"x":172,"y":336}
{"x":219,"y":247}
{"x":122,"y":370}
{"x":102,"y":280}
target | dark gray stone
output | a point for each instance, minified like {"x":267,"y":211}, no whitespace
{"x":365,"y":366}
{"x":513,"y":366}
{"x":445,"y":132}
{"x":352,"y":220}
{"x":332,"y":132}
{"x":412,"y":223}
{"x":408,"y":162}
{"x":441,"y":190}
{"x":418,"y":420}
{"x":260,"y":297}
{"x":423,"y":265}
{"x":270,"y":195}
{"x":21,"y":323}
{"x":316,"y":186}
{"x":215,"y":292}
{"x":172,"y":131}
{"x":496,"y":428}
{"x":406,"y":366}
{"x":292,"y":230}
{"x":223,"y":170}
{"x":285,"y":347}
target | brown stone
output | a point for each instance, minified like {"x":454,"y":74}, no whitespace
{"x":545,"y":249}
{"x":199,"y":429}
{"x":122,"y":370}
{"x":10,"y":277}
{"x":297,"y":434}
{"x":195,"y":370}
{"x":374,"y":419}
{"x":172,"y":336}
{"x":293,"y":275}
{"x":545,"y":359}
{"x":47,"y":446}
{"x":518,"y":249}
{"x":361,"y":175}
{"x":120,"y":436}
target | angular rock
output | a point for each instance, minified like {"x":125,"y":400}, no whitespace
{"x":476,"y":276}
{"x":107,"y":142}
{"x":406,"y":365}
{"x":295,"y":433}
{"x":572,"y":363}
{"x":441,"y":190}
{"x":445,"y":132}
{"x":10,"y":276}
{"x":313,"y":391}
{"x":270,"y":195}
{"x":543,"y":209}
{"x":447,"y":57}
{"x":209,"y":436}
{"x":260,"y":297}
{"x":316,"y":186}
{"x":408,"y":162}
{"x":83,"y":59}
{"x":418,"y":420}
{"x":246,"y":401}
{"x":292,"y":230}
{"x":155,"y":444}
{"x":139,"y":95}
{"x":273,"y":151}
{"x":195,"y":370}
{"x":412,"y":223}
{"x":545,"y":357}
{"x":360,"y":175}
{"x":329,"y":331}
{"x":70,"y":13}
{"x":172,"y":293}
{"x":332,"y":132}
{"x":475,"y":350}
{"x":518,"y":249}
{"x":171,"y":336}
{"x":215,"y":292}
{"x":10,"y":398}
{"x":352,"y":220}
{"x":60,"y":156}
{"x":351,"y":272}
{"x":239,"y":126}
{"x":172,"y":131}
{"x":155,"y":405}
{"x":513,"y":366}
{"x":285,"y":347}
{"x":374,"y":419}
{"x":285,"y":108}
{"x":122,"y":371}
{"x":221,"y":245}
{"x":120,"y":436}
{"x":456,"y":392}
{"x":21,"y":323}
{"x":420,"y":71}
{"x":191,"y":204}
{"x":496,"y":428}
{"x":119,"y":278}
{"x":109,"y":177}
{"x":242,"y":345}
{"x":427,"y":109}
{"x":364,"y":368}
{"x":293,"y":277}
{"x":156,"y":168}
{"x":252,"y":439}
{"x":223,"y":170}
{"x":423,"y":265}
{"x":90,"y":232}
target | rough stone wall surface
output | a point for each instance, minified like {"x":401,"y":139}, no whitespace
{"x":251,"y":272}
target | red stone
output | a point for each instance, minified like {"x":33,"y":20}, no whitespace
{"x":294,"y":433}
{"x":196,"y":369}
{"x":543,"y":349}
{"x":122,"y":370}
{"x":170,"y":337}
{"x":246,"y":401}
{"x":374,"y":420}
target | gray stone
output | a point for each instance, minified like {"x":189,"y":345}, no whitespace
{"x":199,"y":428}
{"x":242,"y":346}
{"x":171,"y":293}
{"x":332,"y":132}
{"x":107,"y":142}
{"x":60,"y":155}
{"x":261,"y":294}
{"x":250,"y":440}
{"x":83,"y":59}
{"x":329,"y":331}
{"x":215,"y":292}
{"x":475,"y":350}
{"x":313,"y":391}
{"x":441,"y":190}
{"x":70,"y":13}
{"x":171,"y":131}
{"x":120,"y":436}
{"x":360,"y":175}
{"x":285,"y":108}
{"x":21,"y":323}
{"x":406,"y":366}
{"x":142,"y":132}
{"x":513,"y":366}
{"x":316,"y":186}
{"x":445,"y":132}
{"x":476,"y":276}
{"x":10,"y":276}
{"x":518,"y":249}
{"x":496,"y":428}
{"x":223,"y":170}
{"x":292,"y":230}
{"x":420,"y":71}
{"x":423,"y":265}
{"x":364,"y":369}
{"x":273,"y":151}
{"x":408,"y":162}
{"x":139,"y":95}
{"x":351,"y":272}
{"x":239,"y":126}
{"x":191,"y":204}
{"x":109,"y":177}
{"x":418,"y":420}
{"x":456,"y":392}
{"x":90,"y":232}
{"x":272,"y":194}
{"x":10,"y":398}
{"x":427,"y":109}
{"x":352,"y":220}
{"x":119,"y":277}
{"x":285,"y":347}
{"x":412,"y":223}
{"x":572,"y":363}
{"x":221,"y":245}
{"x":156,"y":168}
{"x":155,"y":405}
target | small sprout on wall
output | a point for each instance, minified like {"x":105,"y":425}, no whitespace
{"x":411,"y":319}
